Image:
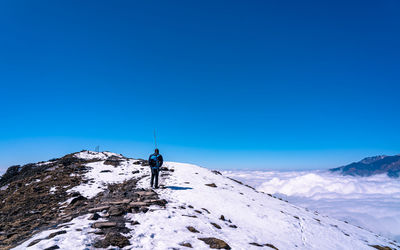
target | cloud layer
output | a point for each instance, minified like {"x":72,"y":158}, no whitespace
{"x":370,"y":202}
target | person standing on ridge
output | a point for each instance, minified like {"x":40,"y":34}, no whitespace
{"x":155,"y":162}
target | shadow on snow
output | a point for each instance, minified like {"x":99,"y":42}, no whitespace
{"x":178,"y":188}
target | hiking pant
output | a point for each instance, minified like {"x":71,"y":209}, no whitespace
{"x":154,"y":175}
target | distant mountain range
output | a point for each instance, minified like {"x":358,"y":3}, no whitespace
{"x":381,"y":164}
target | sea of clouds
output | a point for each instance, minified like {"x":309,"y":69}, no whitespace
{"x":370,"y":202}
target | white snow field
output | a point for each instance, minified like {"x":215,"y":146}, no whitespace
{"x":250,"y":216}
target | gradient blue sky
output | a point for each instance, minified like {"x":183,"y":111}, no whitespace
{"x":227,"y":84}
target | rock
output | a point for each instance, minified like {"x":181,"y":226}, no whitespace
{"x":161,"y":202}
{"x":135,"y":172}
{"x":206,"y":210}
{"x":52,"y":247}
{"x":76,"y":199}
{"x":94,"y":216}
{"x":120,"y":202}
{"x":192,"y":229}
{"x":105,"y":171}
{"x":256,"y":244}
{"x":216,"y":172}
{"x":167,"y":169}
{"x":137,"y":204}
{"x":271,"y":246}
{"x":52,"y":235}
{"x":113,"y":239}
{"x":98,"y":209}
{"x":233,"y":226}
{"x":104,"y":224}
{"x":192,"y":216}
{"x":113,"y":161}
{"x":222,"y":218}
{"x":381,"y":247}
{"x":263,"y":245}
{"x":216,"y":225}
{"x":34,"y":242}
{"x":186,"y":244}
{"x":146,"y":193}
{"x":215,"y":243}
{"x":211,"y":185}
{"x":115,"y":211}
{"x":135,"y":223}
{"x":75,"y":194}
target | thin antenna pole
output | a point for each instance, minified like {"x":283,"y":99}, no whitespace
{"x":155,"y":138}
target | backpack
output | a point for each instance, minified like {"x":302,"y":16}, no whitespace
{"x":154,"y":158}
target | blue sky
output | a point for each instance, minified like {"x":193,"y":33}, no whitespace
{"x":227,"y":84}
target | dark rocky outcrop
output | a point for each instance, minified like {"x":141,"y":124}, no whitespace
{"x":27,"y":202}
{"x":383,"y":164}
{"x":31,"y":201}
{"x":113,"y":161}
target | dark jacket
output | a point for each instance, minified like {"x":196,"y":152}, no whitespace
{"x":154,"y":159}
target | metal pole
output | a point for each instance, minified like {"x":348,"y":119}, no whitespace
{"x":155,"y":138}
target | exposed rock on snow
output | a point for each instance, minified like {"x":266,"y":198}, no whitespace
{"x":192,"y":229}
{"x":113,"y":239}
{"x":215,"y":243}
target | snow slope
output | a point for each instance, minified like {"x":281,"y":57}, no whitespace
{"x":250,"y":216}
{"x":370,"y":202}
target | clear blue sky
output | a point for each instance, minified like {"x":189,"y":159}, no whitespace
{"x":227,"y":84}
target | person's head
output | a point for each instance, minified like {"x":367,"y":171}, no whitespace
{"x":156,"y":151}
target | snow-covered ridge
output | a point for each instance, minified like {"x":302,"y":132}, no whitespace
{"x":203,"y":204}
{"x":89,"y":155}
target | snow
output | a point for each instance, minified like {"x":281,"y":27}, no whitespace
{"x":101,"y":175}
{"x":370,"y":202}
{"x":89,"y":155}
{"x":4,"y":187}
{"x":43,"y":163}
{"x":79,"y":236}
{"x":53,"y":190}
{"x":259,"y":217}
